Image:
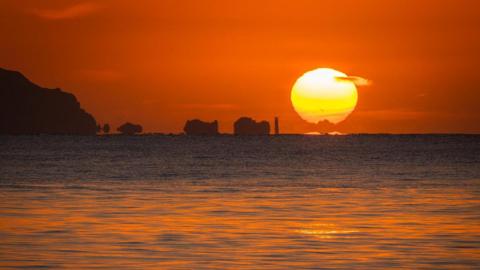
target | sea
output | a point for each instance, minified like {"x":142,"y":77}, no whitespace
{"x":234,"y":202}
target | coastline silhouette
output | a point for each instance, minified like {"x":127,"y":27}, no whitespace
{"x":26,"y":108}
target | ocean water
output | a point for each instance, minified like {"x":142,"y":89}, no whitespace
{"x":286,"y":202}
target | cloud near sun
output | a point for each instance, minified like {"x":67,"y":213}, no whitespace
{"x":326,"y":94}
{"x":358,"y":81}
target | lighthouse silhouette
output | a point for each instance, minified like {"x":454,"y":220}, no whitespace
{"x":277,"y":128}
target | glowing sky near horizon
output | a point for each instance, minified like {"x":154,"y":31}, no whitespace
{"x":160,"y":63}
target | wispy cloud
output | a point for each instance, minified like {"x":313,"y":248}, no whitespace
{"x":98,"y":75}
{"x":358,"y":81}
{"x":217,"y":106}
{"x":70,"y":12}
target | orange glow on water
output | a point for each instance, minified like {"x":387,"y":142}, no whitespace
{"x":187,"y":226}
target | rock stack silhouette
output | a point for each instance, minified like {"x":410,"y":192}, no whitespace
{"x":199,"y":127}
{"x":130,"y":129}
{"x":248,"y":126}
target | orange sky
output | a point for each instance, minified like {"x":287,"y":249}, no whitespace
{"x":159,"y":63}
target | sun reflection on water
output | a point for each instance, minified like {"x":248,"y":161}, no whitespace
{"x":187,"y":226}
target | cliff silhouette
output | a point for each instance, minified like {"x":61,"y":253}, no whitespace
{"x":26,"y":108}
{"x":199,"y":127}
{"x":248,"y":126}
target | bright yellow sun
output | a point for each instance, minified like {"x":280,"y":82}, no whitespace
{"x":322,"y":94}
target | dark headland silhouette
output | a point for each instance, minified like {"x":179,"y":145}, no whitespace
{"x":130,"y":129}
{"x":248,"y":126}
{"x":26,"y":108}
{"x":199,"y":127}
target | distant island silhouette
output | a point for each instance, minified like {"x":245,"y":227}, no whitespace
{"x":26,"y":108}
{"x":199,"y":127}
